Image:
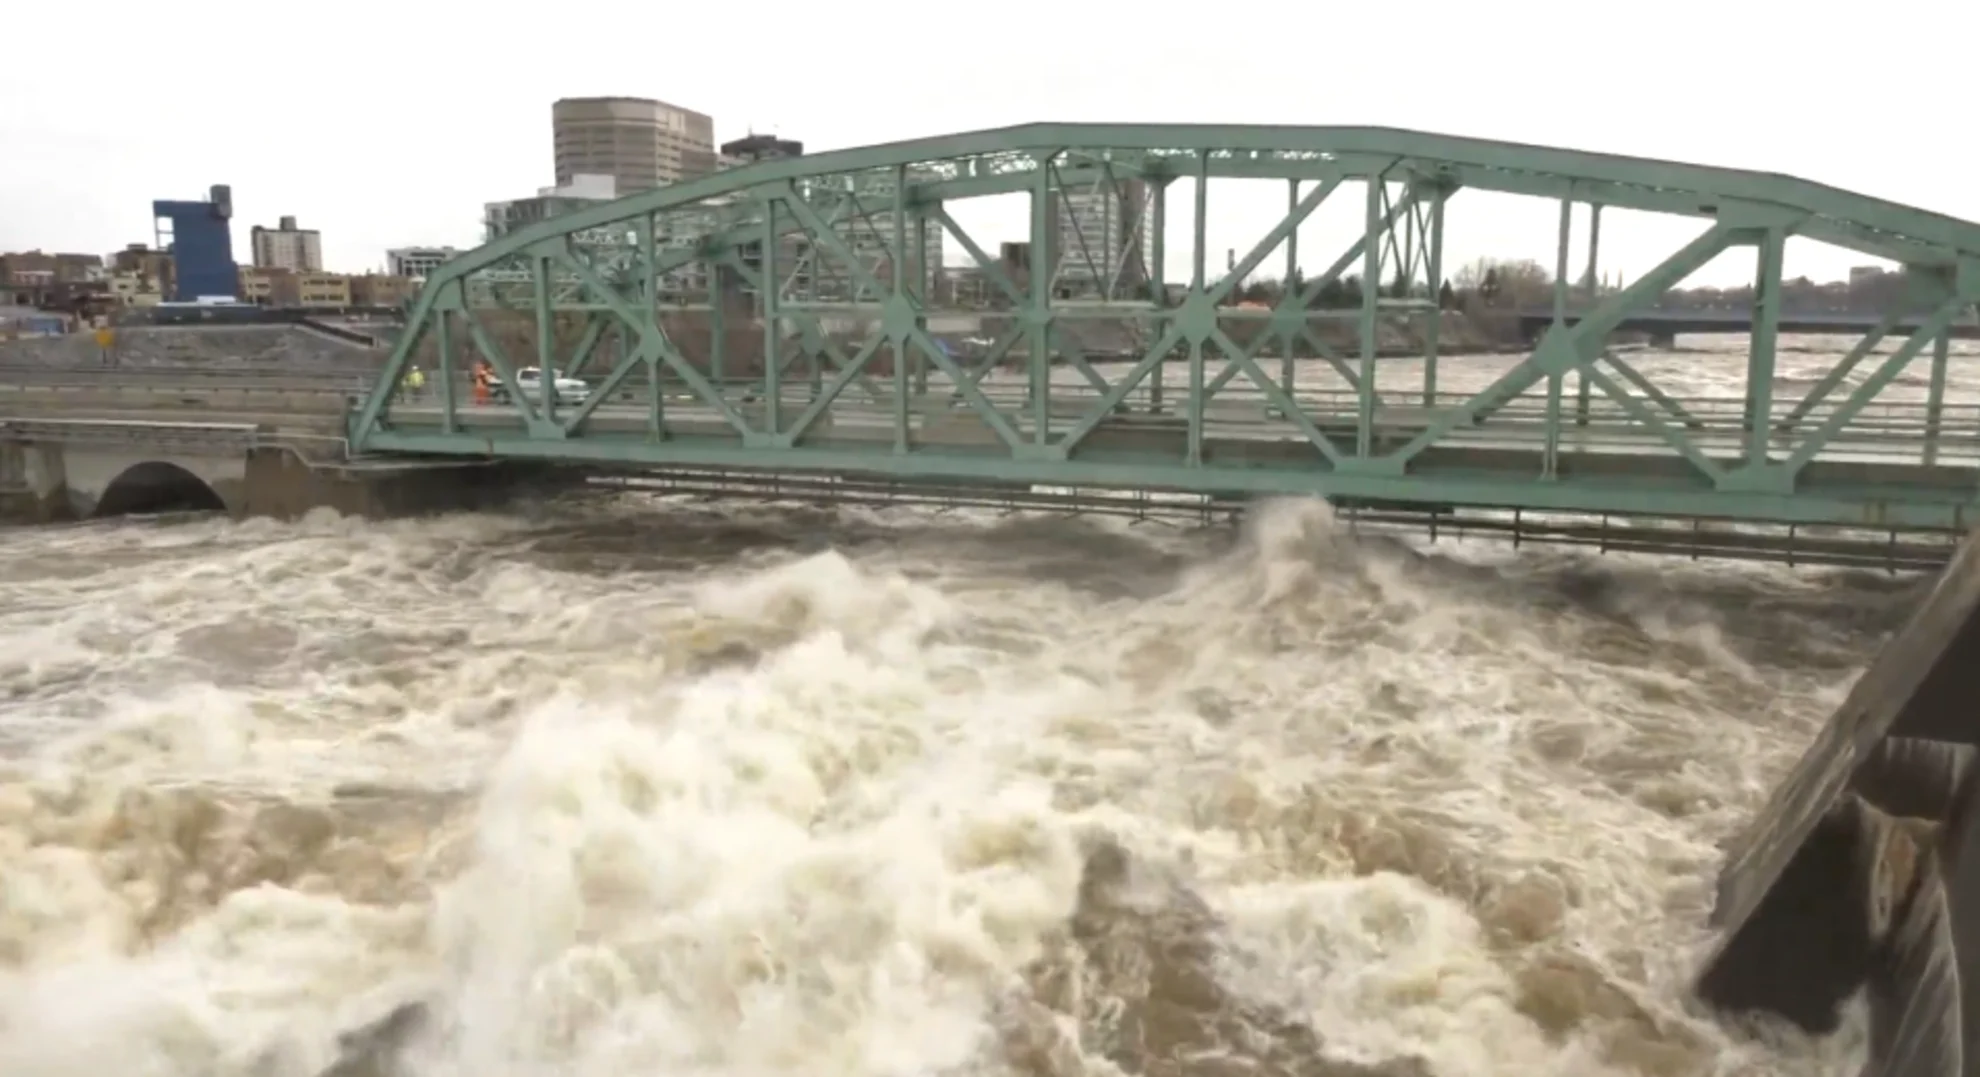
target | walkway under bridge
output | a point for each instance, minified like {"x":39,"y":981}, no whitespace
{"x":789,"y":319}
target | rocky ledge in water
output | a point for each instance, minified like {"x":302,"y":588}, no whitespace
{"x":1137,"y":973}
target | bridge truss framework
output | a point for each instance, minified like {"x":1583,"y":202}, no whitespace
{"x":857,"y":383}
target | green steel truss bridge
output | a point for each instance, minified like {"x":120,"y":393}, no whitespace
{"x":787,"y":319}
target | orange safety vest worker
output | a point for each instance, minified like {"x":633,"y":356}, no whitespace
{"x":481,"y":393}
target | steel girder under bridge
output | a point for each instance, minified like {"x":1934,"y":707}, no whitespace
{"x":822,"y":264}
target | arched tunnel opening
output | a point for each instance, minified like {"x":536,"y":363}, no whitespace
{"x":154,"y":487}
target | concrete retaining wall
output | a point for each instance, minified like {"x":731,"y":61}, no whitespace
{"x":214,"y":348}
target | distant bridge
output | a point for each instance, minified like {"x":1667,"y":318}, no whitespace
{"x":1663,"y":324}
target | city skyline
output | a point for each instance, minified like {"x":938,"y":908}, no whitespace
{"x":411,"y":181}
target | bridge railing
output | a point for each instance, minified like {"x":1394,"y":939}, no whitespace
{"x":1890,"y":423}
{"x":318,"y":398}
{"x":1881,"y":428}
{"x":1888,"y":430}
{"x":33,"y":374}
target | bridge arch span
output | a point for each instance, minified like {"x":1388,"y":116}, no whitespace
{"x":1005,"y":160}
{"x":153,"y":486}
{"x":605,"y":257}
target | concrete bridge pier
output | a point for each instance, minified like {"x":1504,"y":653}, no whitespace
{"x":31,"y":482}
{"x":1531,"y":330}
{"x":283,"y":485}
{"x":49,"y":480}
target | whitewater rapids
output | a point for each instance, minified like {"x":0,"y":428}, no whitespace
{"x":627,"y":787}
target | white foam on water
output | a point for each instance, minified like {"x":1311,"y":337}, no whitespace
{"x":641,"y":788}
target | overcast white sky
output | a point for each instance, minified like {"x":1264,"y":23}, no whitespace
{"x":389,"y":124}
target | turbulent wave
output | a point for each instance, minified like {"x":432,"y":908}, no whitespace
{"x":633,"y":787}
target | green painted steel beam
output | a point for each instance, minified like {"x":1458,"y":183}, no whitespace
{"x":729,"y":225}
{"x":1865,"y":505}
{"x":1895,"y":222}
{"x":831,"y":253}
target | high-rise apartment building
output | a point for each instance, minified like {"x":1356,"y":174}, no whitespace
{"x":640,"y":143}
{"x":299,"y":250}
{"x":1097,"y":247}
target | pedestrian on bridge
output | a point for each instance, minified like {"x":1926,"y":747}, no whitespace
{"x":483,"y":374}
{"x":415,"y":383}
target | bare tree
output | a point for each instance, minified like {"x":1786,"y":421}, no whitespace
{"x":1512,"y":283}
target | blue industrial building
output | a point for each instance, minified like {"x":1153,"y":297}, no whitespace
{"x":200,"y":236}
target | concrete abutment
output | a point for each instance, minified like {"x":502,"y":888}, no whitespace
{"x":47,"y":481}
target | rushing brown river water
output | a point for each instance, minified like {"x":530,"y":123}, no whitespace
{"x":621,"y":786}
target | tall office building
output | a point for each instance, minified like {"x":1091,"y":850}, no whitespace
{"x":638,"y":142}
{"x":285,"y":246}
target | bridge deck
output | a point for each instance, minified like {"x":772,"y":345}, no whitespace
{"x":1893,"y":463}
{"x":1874,"y":472}
{"x":934,"y":427}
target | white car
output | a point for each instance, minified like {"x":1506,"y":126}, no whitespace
{"x":530,"y":380}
